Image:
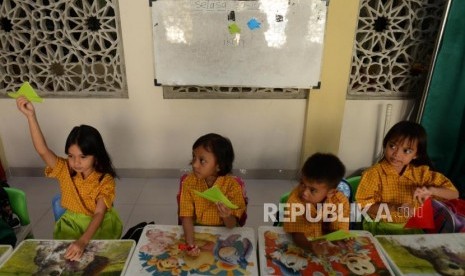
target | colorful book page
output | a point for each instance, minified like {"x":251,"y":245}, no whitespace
{"x":223,"y":251}
{"x":45,"y":257}
{"x":355,"y":255}
{"x":27,"y":91}
{"x":425,"y":254}
{"x":214,"y":194}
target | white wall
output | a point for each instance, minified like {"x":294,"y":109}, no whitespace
{"x":363,"y":130}
{"x":148,"y":132}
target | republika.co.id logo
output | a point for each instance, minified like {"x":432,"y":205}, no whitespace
{"x":329,"y":212}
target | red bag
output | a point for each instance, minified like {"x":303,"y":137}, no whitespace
{"x":445,"y":216}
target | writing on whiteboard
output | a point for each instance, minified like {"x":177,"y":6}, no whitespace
{"x":211,"y":5}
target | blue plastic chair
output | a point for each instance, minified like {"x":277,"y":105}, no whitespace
{"x":58,"y":210}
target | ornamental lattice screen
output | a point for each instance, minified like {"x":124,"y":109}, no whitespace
{"x":394,"y":46}
{"x":64,"y":48}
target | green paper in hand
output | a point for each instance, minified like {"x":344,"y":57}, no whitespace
{"x":214,"y":194}
{"x":27,"y":91}
{"x":337,"y":235}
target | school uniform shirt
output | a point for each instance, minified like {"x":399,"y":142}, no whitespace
{"x":313,"y":229}
{"x":382,"y":184}
{"x":205,"y":212}
{"x":80,"y":195}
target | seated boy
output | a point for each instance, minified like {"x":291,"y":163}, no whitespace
{"x":317,"y":191}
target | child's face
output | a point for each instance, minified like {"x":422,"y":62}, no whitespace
{"x":203,"y":163}
{"x":79,"y":162}
{"x":400,"y":153}
{"x":312,"y":191}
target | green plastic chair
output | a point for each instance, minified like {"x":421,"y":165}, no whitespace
{"x":18,"y":204}
{"x":353,"y":182}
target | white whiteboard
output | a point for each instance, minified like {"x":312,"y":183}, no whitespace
{"x":263,"y":43}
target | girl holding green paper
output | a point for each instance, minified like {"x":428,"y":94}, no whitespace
{"x":87,"y":184}
{"x":212,"y":159}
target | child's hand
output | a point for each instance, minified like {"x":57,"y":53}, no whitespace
{"x":422,"y":193}
{"x":25,"y":106}
{"x":223,"y":211}
{"x":193,"y":251}
{"x":75,"y":251}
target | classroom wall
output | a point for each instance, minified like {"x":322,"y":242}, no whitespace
{"x":147,"y":135}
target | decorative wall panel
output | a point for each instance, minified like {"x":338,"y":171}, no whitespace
{"x":394,"y":47}
{"x":64,"y":48}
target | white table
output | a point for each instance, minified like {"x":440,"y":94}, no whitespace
{"x":45,"y":257}
{"x":359,"y":255}
{"x":223,"y":252}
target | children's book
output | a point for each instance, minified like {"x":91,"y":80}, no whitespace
{"x":426,"y":254}
{"x":223,"y":252}
{"x":358,"y":254}
{"x":46,"y":257}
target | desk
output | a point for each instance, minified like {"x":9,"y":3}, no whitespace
{"x":225,"y":252}
{"x":45,"y":257}
{"x":359,"y":255}
{"x":425,"y":254}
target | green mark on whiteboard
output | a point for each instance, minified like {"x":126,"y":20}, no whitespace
{"x":234,"y":29}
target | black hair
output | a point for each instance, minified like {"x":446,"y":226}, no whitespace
{"x":221,"y":148}
{"x":90,"y":142}
{"x":410,"y":131}
{"x":324,"y":167}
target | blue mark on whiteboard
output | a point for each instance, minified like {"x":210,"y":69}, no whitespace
{"x":253,"y":24}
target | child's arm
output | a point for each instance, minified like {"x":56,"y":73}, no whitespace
{"x":226,"y":215}
{"x":423,"y":193}
{"x":75,"y":250}
{"x":342,"y":208}
{"x":37,"y":137}
{"x":435,"y":184}
{"x":188,"y":227}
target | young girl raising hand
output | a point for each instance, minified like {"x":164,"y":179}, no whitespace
{"x":212,"y":159}
{"x":87,"y":184}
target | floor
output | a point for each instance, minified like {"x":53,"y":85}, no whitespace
{"x":142,"y":199}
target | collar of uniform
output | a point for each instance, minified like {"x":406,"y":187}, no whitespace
{"x":389,"y":169}
{"x":94,"y":176}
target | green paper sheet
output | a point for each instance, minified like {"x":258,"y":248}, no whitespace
{"x":337,"y":235}
{"x":214,"y":194}
{"x":27,"y":91}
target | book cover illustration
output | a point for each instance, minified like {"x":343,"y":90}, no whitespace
{"x":357,"y":255}
{"x":223,"y":252}
{"x":430,"y":254}
{"x":45,"y":257}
